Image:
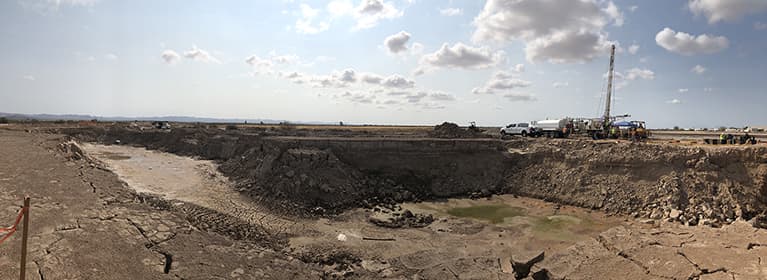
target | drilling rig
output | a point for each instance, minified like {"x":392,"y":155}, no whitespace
{"x":599,"y":128}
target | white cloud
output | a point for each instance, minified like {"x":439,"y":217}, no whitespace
{"x":633,"y":49}
{"x":359,"y":97}
{"x":460,"y":56}
{"x":367,"y":15}
{"x":760,"y":25}
{"x":285,"y":58}
{"x":567,"y":47}
{"x":306,"y":24}
{"x":451,"y":12}
{"x":396,"y":43}
{"x":698,"y":69}
{"x":349,"y":77}
{"x":170,"y":56}
{"x":416,"y":49}
{"x":501,"y":81}
{"x":371,"y":78}
{"x":519,"y":68}
{"x":84,"y":3}
{"x":633,"y":8}
{"x":683,"y":90}
{"x":560,"y":84}
{"x":686,"y":44}
{"x":441,"y":96}
{"x":708,"y":89}
{"x":397,"y":81}
{"x":110,"y":56}
{"x":28,"y":77}
{"x":200,"y":55}
{"x":340,"y":7}
{"x":564,"y":31}
{"x":637,"y":73}
{"x":726,"y":10}
{"x":370,"y":12}
{"x":674,"y":101}
{"x":258,"y":62}
{"x":519,"y":97}
{"x":614,"y":13}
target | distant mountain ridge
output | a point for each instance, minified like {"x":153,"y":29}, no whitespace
{"x":74,"y":117}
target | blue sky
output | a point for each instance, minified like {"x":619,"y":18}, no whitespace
{"x":692,"y":63}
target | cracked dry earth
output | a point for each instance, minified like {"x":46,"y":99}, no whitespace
{"x":85,"y":224}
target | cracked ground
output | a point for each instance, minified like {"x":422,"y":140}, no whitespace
{"x":85,"y":224}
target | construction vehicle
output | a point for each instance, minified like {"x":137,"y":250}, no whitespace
{"x":558,"y":128}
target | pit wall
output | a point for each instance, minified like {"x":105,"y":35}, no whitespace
{"x":321,"y":175}
{"x":692,"y":185}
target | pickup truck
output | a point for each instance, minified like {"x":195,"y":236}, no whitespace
{"x":517,"y":129}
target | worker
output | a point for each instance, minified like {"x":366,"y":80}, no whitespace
{"x":614,"y":132}
{"x":721,"y":138}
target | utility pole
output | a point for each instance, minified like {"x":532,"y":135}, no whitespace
{"x":609,"y":88}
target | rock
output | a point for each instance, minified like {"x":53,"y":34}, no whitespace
{"x":522,"y":269}
{"x":674,"y":214}
{"x":656,"y":214}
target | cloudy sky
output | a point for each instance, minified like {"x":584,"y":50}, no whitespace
{"x":690,"y":63}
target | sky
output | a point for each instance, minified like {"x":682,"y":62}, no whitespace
{"x":687,"y":63}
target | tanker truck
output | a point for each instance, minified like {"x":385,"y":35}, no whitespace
{"x":558,"y":128}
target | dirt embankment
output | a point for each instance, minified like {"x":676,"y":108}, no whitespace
{"x":322,"y":175}
{"x":687,"y":184}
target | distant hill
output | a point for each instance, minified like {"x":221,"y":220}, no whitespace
{"x":69,"y":117}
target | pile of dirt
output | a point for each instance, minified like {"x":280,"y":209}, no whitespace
{"x":452,"y":130}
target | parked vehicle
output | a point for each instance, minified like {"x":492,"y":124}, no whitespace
{"x":523,"y":129}
{"x":554,"y":128}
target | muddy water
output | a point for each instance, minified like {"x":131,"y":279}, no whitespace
{"x":544,"y":223}
{"x":465,"y":230}
{"x":174,"y":177}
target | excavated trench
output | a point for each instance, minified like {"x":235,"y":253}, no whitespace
{"x":311,"y":176}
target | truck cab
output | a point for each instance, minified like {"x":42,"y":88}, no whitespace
{"x":516,"y":129}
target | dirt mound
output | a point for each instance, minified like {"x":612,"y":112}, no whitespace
{"x":451,"y":130}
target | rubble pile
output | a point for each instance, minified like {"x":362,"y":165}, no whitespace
{"x":452,"y":130}
{"x":395,"y":217}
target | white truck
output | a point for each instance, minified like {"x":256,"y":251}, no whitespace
{"x":554,"y":128}
{"x":523,"y":129}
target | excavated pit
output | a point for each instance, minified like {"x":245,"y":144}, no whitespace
{"x":325,"y":175}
